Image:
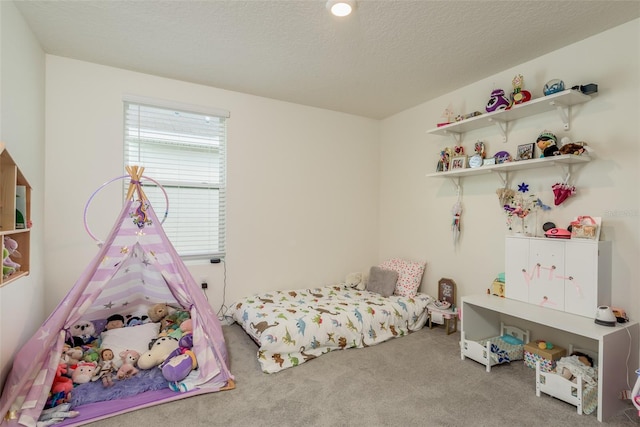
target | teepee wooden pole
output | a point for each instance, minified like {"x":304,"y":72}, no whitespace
{"x":134,"y":186}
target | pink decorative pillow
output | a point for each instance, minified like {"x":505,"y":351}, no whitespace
{"x":409,"y":275}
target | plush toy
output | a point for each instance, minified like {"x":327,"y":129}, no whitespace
{"x":9,"y":249}
{"x":181,"y":361}
{"x":172,"y":321}
{"x":61,"y":383}
{"x":159,"y":350}
{"x":115,"y":321}
{"x":91,"y":355}
{"x":569,"y":147}
{"x":158,"y":311}
{"x":132,"y":320}
{"x":71,"y":355}
{"x":548,"y":144}
{"x":357,"y":281}
{"x":83,"y":372}
{"x":129,"y":359}
{"x":83,"y":332}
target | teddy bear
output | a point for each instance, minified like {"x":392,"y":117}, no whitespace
{"x":129,"y":359}
{"x":159,"y":350}
{"x":158,"y":311}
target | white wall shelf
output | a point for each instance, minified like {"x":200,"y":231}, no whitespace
{"x":560,"y":102}
{"x":503,"y":169}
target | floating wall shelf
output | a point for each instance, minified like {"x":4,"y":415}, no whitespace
{"x":561,"y":102}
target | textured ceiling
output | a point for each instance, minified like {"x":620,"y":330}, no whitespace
{"x":388,"y":56}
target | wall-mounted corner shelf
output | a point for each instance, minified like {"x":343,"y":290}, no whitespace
{"x":565,"y":162}
{"x":560,"y":102}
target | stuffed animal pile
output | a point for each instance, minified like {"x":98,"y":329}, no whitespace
{"x":83,"y":360}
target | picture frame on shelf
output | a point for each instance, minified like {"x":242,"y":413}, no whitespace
{"x":458,"y":162}
{"x":489,"y":161}
{"x":525,"y":152}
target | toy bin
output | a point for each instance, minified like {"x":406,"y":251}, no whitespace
{"x":547,"y":356}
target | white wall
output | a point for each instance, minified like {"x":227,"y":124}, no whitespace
{"x":415,"y":211}
{"x":302,"y":182}
{"x":22,"y":130}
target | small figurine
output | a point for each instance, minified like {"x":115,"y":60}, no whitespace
{"x":106,"y":368}
{"x":548,"y":144}
{"x":518,"y":96}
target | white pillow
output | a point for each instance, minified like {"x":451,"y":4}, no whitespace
{"x":130,"y":338}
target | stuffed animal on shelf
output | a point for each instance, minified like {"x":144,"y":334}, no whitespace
{"x":129,"y":359}
{"x":548,"y":144}
{"x":9,"y":249}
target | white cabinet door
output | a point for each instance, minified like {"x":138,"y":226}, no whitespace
{"x":516,"y":274}
{"x":546,"y":286}
{"x":581,"y":278}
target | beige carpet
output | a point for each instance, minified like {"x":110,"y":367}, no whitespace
{"x":417,"y":380}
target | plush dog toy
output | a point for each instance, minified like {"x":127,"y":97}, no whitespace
{"x":83,"y":332}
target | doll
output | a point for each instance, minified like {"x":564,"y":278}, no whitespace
{"x":106,"y":368}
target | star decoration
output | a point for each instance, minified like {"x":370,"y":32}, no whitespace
{"x":109,"y":305}
{"x":124,"y":250}
{"x":523,"y":188}
{"x":44,"y":334}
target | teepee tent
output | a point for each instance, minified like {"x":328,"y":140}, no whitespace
{"x":135,"y":267}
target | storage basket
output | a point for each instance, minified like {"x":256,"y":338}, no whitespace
{"x":547,"y":357}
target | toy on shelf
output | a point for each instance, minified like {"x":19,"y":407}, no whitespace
{"x":518,"y":96}
{"x":548,"y":144}
{"x":497,"y":101}
{"x":10,"y":249}
{"x":553,"y":86}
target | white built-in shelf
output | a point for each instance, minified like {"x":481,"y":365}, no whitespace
{"x":561,"y":102}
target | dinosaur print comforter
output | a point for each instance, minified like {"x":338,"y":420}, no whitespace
{"x":293,"y":327}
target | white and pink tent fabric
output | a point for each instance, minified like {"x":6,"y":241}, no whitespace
{"x":135,"y":267}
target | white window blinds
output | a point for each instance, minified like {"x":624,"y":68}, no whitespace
{"x":184,"y":151}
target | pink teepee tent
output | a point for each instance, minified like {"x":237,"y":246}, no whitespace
{"x":135,"y":267}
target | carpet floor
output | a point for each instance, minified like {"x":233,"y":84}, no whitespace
{"x":417,"y":380}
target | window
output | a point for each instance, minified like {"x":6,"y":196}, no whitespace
{"x":184,"y":151}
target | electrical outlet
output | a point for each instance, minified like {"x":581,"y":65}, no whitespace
{"x":204,"y":285}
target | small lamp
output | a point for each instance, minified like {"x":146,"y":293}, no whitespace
{"x":341,"y":7}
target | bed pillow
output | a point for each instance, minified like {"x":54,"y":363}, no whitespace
{"x":382,"y":281}
{"x":409,"y":275}
{"x":131,"y":338}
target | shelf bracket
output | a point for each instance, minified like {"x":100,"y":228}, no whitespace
{"x":504,"y":177}
{"x":502,"y":127}
{"x":457,"y":136}
{"x":564,"y":115}
{"x":456,"y":182}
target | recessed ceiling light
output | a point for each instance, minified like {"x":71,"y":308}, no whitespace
{"x":341,"y":7}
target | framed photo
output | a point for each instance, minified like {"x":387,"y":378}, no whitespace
{"x":458,"y":162}
{"x":447,"y":291}
{"x":489,"y":161}
{"x":525,"y":152}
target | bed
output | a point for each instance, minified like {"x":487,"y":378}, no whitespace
{"x":294,"y":326}
{"x":504,"y":348}
{"x":583,"y":393}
